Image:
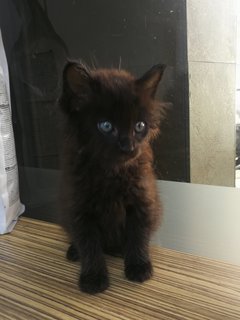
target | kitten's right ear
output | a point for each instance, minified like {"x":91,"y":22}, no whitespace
{"x":76,"y":86}
{"x":76,"y":76}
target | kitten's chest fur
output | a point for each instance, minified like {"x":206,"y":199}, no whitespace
{"x":111,"y":191}
{"x":109,"y":194}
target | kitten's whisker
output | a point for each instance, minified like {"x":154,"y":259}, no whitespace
{"x":120,"y":63}
{"x":93,"y":65}
{"x":94,"y":61}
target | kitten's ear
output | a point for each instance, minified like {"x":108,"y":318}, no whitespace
{"x":76,"y":87}
{"x":148,"y":83}
{"x":76,"y":77}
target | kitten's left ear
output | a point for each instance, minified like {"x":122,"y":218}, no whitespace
{"x":148,"y":83}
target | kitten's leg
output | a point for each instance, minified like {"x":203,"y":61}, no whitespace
{"x":94,"y":275}
{"x":72,"y":253}
{"x":138,"y":266}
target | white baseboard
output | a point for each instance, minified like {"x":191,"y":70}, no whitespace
{"x":200,"y":219}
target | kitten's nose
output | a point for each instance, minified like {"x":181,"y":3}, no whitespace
{"x":126,"y":145}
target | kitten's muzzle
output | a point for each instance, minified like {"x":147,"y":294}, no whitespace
{"x":126,"y":146}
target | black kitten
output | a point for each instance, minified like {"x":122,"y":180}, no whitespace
{"x":109,"y":195}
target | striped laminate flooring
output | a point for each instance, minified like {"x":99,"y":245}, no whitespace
{"x":36,"y":282}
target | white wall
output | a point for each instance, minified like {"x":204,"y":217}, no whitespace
{"x":212,"y":34}
{"x":238,"y":63}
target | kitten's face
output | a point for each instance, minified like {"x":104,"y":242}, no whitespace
{"x":126,"y":141}
{"x":114,"y":113}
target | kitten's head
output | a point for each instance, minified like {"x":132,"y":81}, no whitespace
{"x":113,"y":114}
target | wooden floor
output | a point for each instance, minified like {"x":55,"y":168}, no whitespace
{"x":36,"y":282}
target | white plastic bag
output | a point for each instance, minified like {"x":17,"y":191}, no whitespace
{"x":10,"y":205}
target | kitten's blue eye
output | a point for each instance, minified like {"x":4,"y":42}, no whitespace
{"x":140,"y":126}
{"x":105,"y":126}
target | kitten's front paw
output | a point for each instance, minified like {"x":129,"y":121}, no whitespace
{"x":93,"y":283}
{"x":72,"y":253}
{"x":139,"y":272}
